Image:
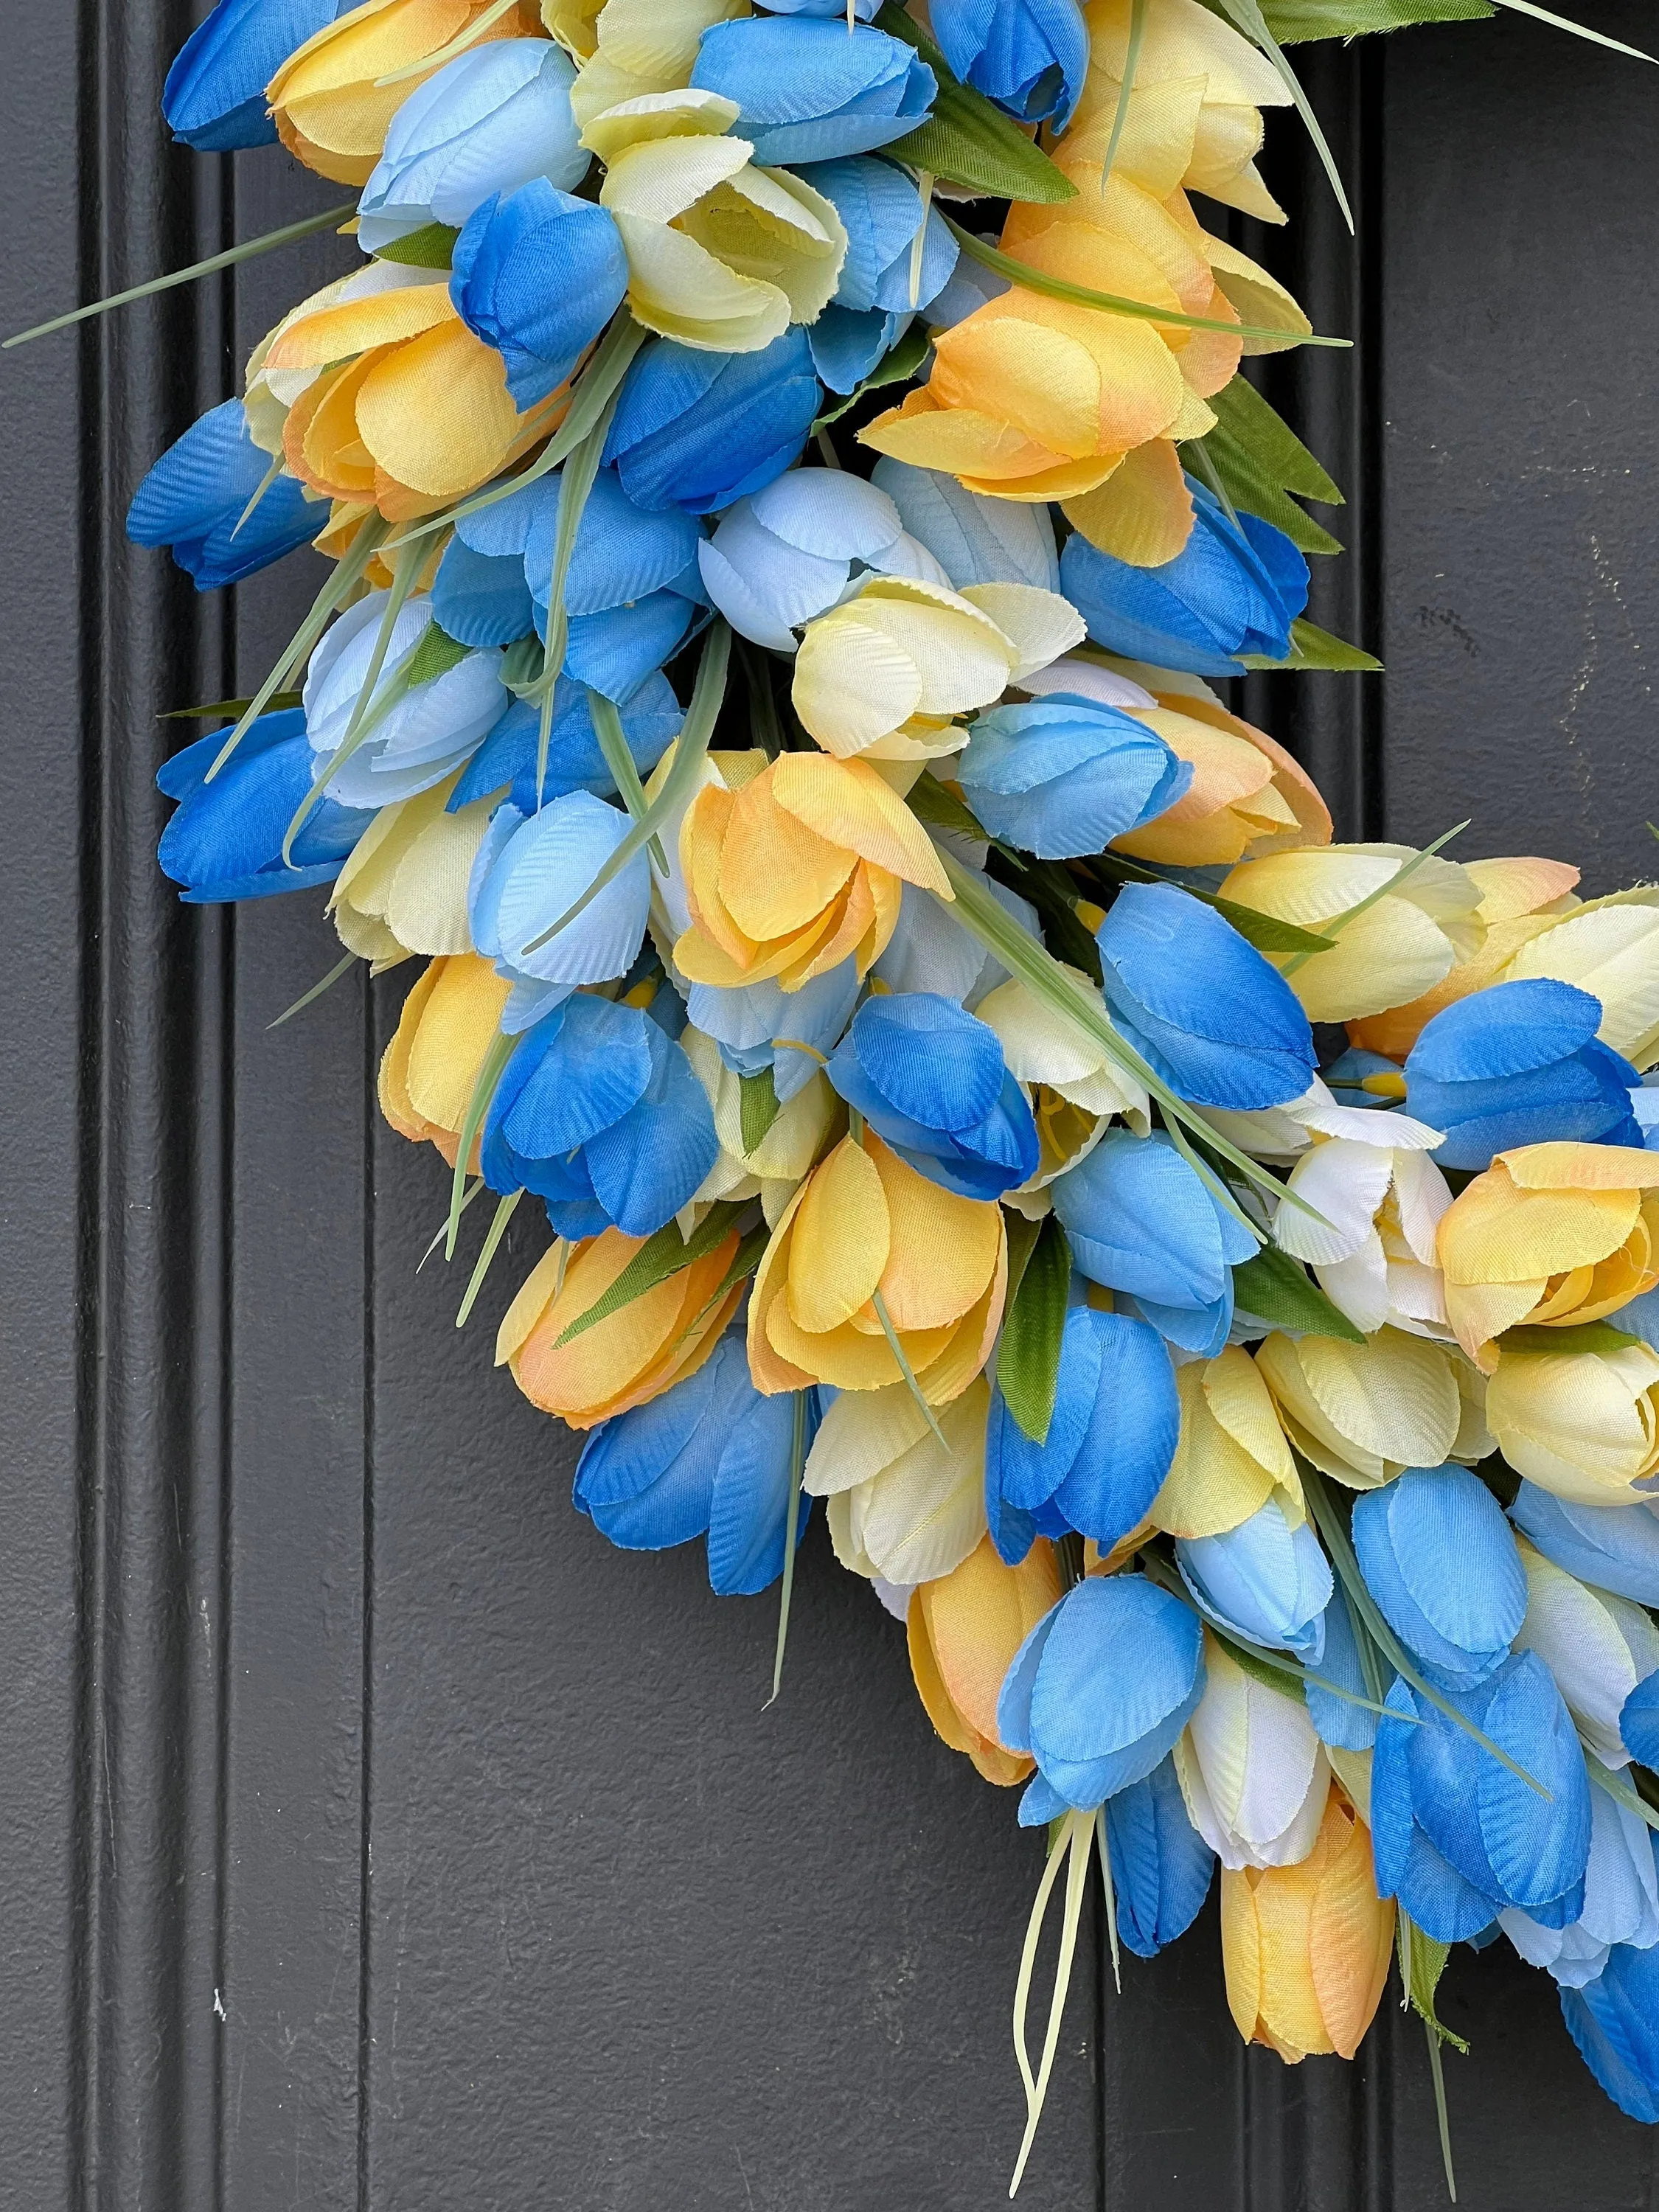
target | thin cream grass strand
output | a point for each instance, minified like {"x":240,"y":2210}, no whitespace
{"x":473,"y":1188}
{"x":918,"y":244}
{"x":797,"y":1472}
{"x":497,"y":1229}
{"x":457,"y":46}
{"x":1039,"y":1913}
{"x":308,"y":998}
{"x":1578,"y":30}
{"x":265,"y":482}
{"x":1079,"y":1833}
{"x":1104,"y":1846}
{"x":1131,"y":62}
{"x":1407,"y":869}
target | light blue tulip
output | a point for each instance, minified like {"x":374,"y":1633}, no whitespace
{"x":1099,"y":1692}
{"x":1613,"y":1547}
{"x":1235,"y":588}
{"x":1614,"y":2021}
{"x":417,"y":735}
{"x":1350,"y":1073}
{"x":881,"y":211}
{"x":709,"y":1457}
{"x":1061,"y":775}
{"x":195,"y":497}
{"x":1030,"y":57}
{"x":1266,"y":1580}
{"x":1141,"y":1220}
{"x":528,"y":875}
{"x":699,"y":430}
{"x":598,"y":1113}
{"x":537,"y":275}
{"x":1162,"y":1868}
{"x":808,"y":90}
{"x":1219,"y":1025}
{"x":215,"y":96}
{"x":1459,"y":1626}
{"x":787,"y":552}
{"x":1457,"y":1836}
{"x":1519,"y":1064}
{"x":484,"y":123}
{"x":509,"y":758}
{"x":1112,"y":1436}
{"x":1621,"y":1901}
{"x":745,"y":1021}
{"x":1343,"y":1720}
{"x":974,"y":540}
{"x":863,"y":9}
{"x":930,"y":949}
{"x":225,"y":842}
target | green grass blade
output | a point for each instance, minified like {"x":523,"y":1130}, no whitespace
{"x":492,"y":1240}
{"x":1334,"y":927}
{"x":484,"y":1089}
{"x":1109,"y":1889}
{"x":307,"y":997}
{"x":1249,"y":18}
{"x":473,"y":1188}
{"x":624,"y":770}
{"x":228,"y":708}
{"x":1131,"y":63}
{"x":791,"y":1527}
{"x":1578,"y":30}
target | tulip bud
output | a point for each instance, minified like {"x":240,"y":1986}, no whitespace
{"x":902,"y":1507}
{"x":1364,"y":1210}
{"x":1161,"y":1866}
{"x":537,"y":275}
{"x":508,"y":762}
{"x":1621,"y":1901}
{"x":403,"y":888}
{"x":964,"y":1629}
{"x":1029,"y":56}
{"x":1231,"y":1457}
{"x":1252,"y":1772}
{"x":1459,"y":1626}
{"x":1246,"y":796}
{"x":215,"y":96}
{"x":976,"y":540}
{"x":1613,"y":1547}
{"x":699,"y":429}
{"x":813,"y":91}
{"x":430,"y":1069}
{"x":527,"y":877}
{"x":1606,"y":947}
{"x":1267,"y":1579}
{"x":783,"y":556}
{"x":1306,"y":1948}
{"x":1075,"y":1087}
{"x":1362,"y":1413}
{"x":195,"y":501}
{"x":930,"y":1081}
{"x":1582,"y":1425}
{"x":1062,"y":775}
{"x":225,"y":841}
{"x":1597,"y":1646}
{"x":417,"y":734}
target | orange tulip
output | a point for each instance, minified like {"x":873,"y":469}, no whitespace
{"x":428,"y":1071}
{"x":963,"y":1632}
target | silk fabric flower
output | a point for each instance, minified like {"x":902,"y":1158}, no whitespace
{"x":963,"y":1631}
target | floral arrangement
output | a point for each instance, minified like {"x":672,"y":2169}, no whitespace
{"x":1209,"y":1272}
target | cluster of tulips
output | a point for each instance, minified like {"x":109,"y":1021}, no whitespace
{"x":849,"y":910}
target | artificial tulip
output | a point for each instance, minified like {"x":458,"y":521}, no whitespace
{"x":964,"y":1629}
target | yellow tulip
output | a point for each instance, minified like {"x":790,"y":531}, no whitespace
{"x":885,"y":674}
{"x":772,"y":1171}
{"x":1404,"y":942}
{"x":1519,"y":900}
{"x":1363,"y":1412}
{"x":1306,"y":1949}
{"x":1074,"y":1087}
{"x":628,"y":48}
{"x":1552,"y":1235}
{"x":1232,"y":1456}
{"x":1583,"y":1423}
{"x":964,"y":1630}
{"x":429,"y":1071}
{"x":866,"y":1245}
{"x":700,"y":221}
{"x":796,"y":872}
{"x":1609,"y":947}
{"x":635,"y":1353}
{"x":1241,"y":799}
{"x":331,"y":109}
{"x":403,"y":889}
{"x":900,"y":1505}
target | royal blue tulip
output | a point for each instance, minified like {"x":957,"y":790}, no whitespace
{"x":1201,"y":1005}
{"x":1638,"y":1722}
{"x":1344,"y":1720}
{"x":537,"y":275}
{"x":1459,"y":1625}
{"x":1456,"y":1835}
{"x":698,"y":430}
{"x":1613,"y":1547}
{"x":1233,"y":589}
{"x":508,"y":756}
{"x":810,"y":91}
{"x":225,"y":842}
{"x":195,"y":497}
{"x":1519,"y":1064}
{"x":1061,"y":774}
{"x":976,"y":540}
{"x":1030,"y":57}
{"x":215,"y":96}
{"x":930,"y":1081}
{"x":599,"y":1114}
{"x":1614,"y":2021}
{"x":1162,"y":1868}
{"x":1099,"y":1692}
{"x":1141,"y":1220}
{"x":709,"y":1457}
{"x":863,"y":9}
{"x":1269,"y":1582}
{"x":1111,"y":1438}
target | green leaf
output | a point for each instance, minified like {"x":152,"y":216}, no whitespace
{"x":895,"y":367}
{"x":1028,"y":1353}
{"x":435,"y":656}
{"x":1260,"y":462}
{"x":1293,"y":20}
{"x":1588,"y":1336}
{"x":277,"y":703}
{"x":757,"y":1108}
{"x":429,"y":247}
{"x":1313,"y":647}
{"x":660,"y":1256}
{"x":1267,"y":932}
{"x":967,"y":141}
{"x":1274,"y":1287}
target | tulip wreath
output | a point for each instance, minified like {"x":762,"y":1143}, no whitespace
{"x":791,"y":490}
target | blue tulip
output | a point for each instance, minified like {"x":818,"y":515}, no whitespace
{"x":1233,"y":588}
{"x":484,"y":125}
{"x":1621,"y":1901}
{"x":746,"y":1019}
{"x":1062,"y":775}
{"x":864,"y":9}
{"x":1162,"y":1868}
{"x":1365,"y":1078}
{"x":1613,"y":1547}
{"x":507,"y":760}
{"x":225,"y":842}
{"x":1030,"y":57}
{"x":1141,"y":1220}
{"x":1269,"y":1582}
{"x":194,"y":498}
{"x":976,"y":540}
{"x":1099,"y":1692}
{"x":528,"y":875}
{"x":1638,"y":1722}
{"x":881,"y":211}
{"x":1457,"y":1836}
{"x":1112,"y":1436}
{"x":810,"y":91}
{"x":1201,"y":1005}
{"x":699,"y":430}
{"x":930,"y":1081}
{"x":215,"y":96}
{"x":1343,"y":1720}
{"x":537,"y":275}
{"x":1459,"y":1626}
{"x":1614,"y":2021}
{"x":599,"y":1114}
{"x":1519,"y":1064}
{"x":709,"y":1457}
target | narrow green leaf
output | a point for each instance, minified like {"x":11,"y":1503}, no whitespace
{"x":1588,"y":1336}
{"x":504,"y":1213}
{"x":791,"y":1538}
{"x":1293,"y":20}
{"x":1246,"y":16}
{"x":939,"y":809}
{"x":1251,"y":492}
{"x":1312,"y":647}
{"x":895,"y":367}
{"x":757,"y":1108}
{"x":309,"y":998}
{"x":660,"y":1256}
{"x":1028,"y":1351}
{"x":966,"y":140}
{"x":1578,"y":30}
{"x":1263,"y":433}
{"x":1267,"y":932}
{"x":436,"y":654}
{"x":1021,"y":1236}
{"x":278,"y":702}
{"x":1338,"y":922}
{"x":1275,"y":1287}
{"x":1422,"y":1962}
{"x":619,"y":759}
{"x":896,"y":1345}
{"x":429,"y":247}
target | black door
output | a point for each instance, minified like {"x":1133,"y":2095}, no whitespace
{"x":371,"y":1834}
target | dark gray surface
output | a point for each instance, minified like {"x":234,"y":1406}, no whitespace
{"x":372,"y":1835}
